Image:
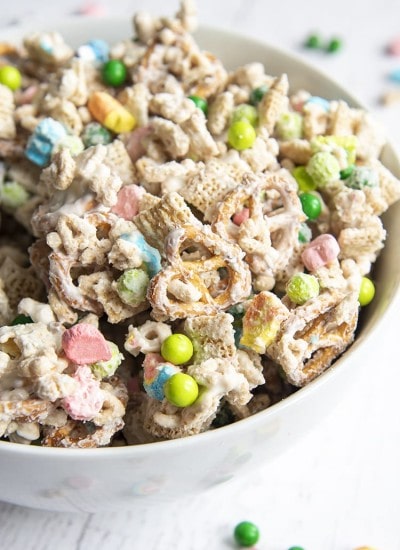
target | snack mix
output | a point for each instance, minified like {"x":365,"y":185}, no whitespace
{"x":182,"y":245}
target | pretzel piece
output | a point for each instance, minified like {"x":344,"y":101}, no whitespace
{"x":216,"y":254}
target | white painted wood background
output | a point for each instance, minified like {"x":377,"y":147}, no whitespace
{"x":339,"y":487}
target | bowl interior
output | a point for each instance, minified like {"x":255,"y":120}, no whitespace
{"x":235,"y":50}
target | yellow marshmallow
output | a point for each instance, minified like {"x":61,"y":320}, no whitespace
{"x":262,"y":321}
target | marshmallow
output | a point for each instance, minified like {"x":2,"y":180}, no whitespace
{"x":83,"y":344}
{"x":321,"y":251}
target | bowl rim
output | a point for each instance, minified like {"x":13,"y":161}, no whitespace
{"x":342,"y":363}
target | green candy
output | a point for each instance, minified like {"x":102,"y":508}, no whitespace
{"x":303,"y":179}
{"x":302,"y":287}
{"x":104,"y":369}
{"x":177,"y":349}
{"x":346,"y":172}
{"x":313,"y":41}
{"x":200,"y":103}
{"x":334,"y":45}
{"x":21,"y":319}
{"x":246,"y":534}
{"x":296,"y":548}
{"x":114,"y":72}
{"x":311,"y":205}
{"x":324,"y":168}
{"x":132,"y":286}
{"x":241,"y":135}
{"x":13,"y":195}
{"x":246,"y":112}
{"x":95,"y":134}
{"x":367,"y":291}
{"x":289,"y":126}
{"x":10,"y":77}
{"x":181,"y":390}
{"x":257,"y":94}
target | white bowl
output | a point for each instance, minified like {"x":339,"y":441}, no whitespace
{"x":94,"y":480}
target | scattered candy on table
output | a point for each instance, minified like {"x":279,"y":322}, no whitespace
{"x":246,"y":534}
{"x":393,"y":48}
{"x":394,"y":75}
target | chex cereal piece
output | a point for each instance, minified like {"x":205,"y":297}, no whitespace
{"x":168,"y":214}
{"x":211,"y":336}
{"x":7,"y":106}
{"x":274,"y":103}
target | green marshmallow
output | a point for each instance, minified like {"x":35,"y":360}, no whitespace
{"x":13,"y":195}
{"x":289,"y":126}
{"x":323,"y":168}
{"x":132,"y":286}
{"x":104,"y":369}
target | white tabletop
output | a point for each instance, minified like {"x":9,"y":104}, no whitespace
{"x":338,"y":488}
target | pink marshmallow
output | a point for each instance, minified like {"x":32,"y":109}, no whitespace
{"x":128,"y":200}
{"x":27,"y":95}
{"x":321,"y":251}
{"x":83,"y":344}
{"x":87,"y":400}
{"x":241,"y":216}
{"x":134,"y":143}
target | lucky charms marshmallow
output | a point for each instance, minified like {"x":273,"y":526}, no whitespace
{"x":182,"y":245}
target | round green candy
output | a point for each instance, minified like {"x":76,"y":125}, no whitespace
{"x":367,"y":291}
{"x":311,"y":205}
{"x":323,"y":167}
{"x":313,"y":41}
{"x":246,"y":112}
{"x":241,"y":135}
{"x":246,"y":534}
{"x":177,"y":349}
{"x":200,"y":103}
{"x":10,"y":77}
{"x":334,"y":45}
{"x":132,"y":286}
{"x":257,"y":94}
{"x":181,"y":390}
{"x":21,"y":319}
{"x":114,"y":72}
{"x":289,"y":126}
{"x":303,"y":179}
{"x":302,"y":287}
{"x":95,"y":134}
